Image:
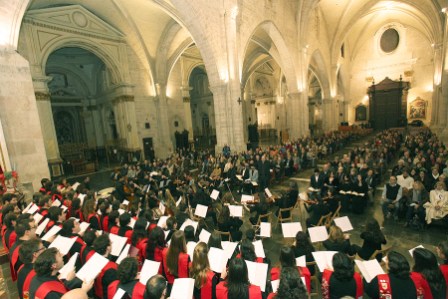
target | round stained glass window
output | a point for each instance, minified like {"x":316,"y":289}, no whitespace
{"x":389,"y":40}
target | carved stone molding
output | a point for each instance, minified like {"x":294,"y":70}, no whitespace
{"x":40,"y":96}
{"x":124,"y":98}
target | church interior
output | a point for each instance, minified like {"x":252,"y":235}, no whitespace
{"x":87,"y":86}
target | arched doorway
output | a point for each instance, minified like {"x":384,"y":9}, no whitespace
{"x":84,"y":118}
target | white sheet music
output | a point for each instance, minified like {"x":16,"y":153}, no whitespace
{"x":81,"y":198}
{"x":92,"y":267}
{"x":229,"y":248}
{"x":259,"y":250}
{"x":190,"y":248}
{"x":64,"y":244}
{"x":189,"y":222}
{"x":236,"y":211}
{"x":301,"y":261}
{"x":149,"y":269}
{"x":42,"y":226}
{"x":117,"y":243}
{"x":265,"y":229}
{"x":75,"y":185}
{"x":217,"y":260}
{"x":291,"y":229}
{"x":369,"y":269}
{"x":132,"y":222}
{"x":68,"y":267}
{"x":162,"y":221}
{"x":37,"y":218}
{"x":324,"y":259}
{"x":344,"y":223}
{"x":56,"y":203}
{"x":178,"y":201}
{"x":268,"y":192}
{"x":125,"y":202}
{"x":255,"y":184}
{"x":201,"y":210}
{"x":411,"y":251}
{"x":83,"y":226}
{"x":215,"y":194}
{"x":182,"y":288}
{"x":162,"y":208}
{"x":119,"y":294}
{"x":318,"y":233}
{"x":246,"y":198}
{"x":121,"y":211}
{"x":239,"y":177}
{"x":53,"y":231}
{"x":275,"y":284}
{"x":257,"y":273}
{"x":204,"y":236}
{"x":124,"y":254}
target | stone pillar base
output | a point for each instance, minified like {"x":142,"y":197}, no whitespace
{"x":56,"y":169}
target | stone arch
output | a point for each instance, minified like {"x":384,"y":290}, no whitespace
{"x":283,"y":55}
{"x":317,"y":64}
{"x":12,"y":16}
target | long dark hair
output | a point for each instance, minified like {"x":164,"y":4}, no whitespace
{"x":398,"y":265}
{"x":303,"y":242}
{"x":156,"y":239}
{"x":139,"y":231}
{"x":287,"y":258}
{"x":248,"y":250}
{"x":237,"y":280}
{"x":426,"y":264}
{"x":291,"y":285}
{"x":343,"y":267}
{"x":373,"y":228}
{"x":177,"y":246}
{"x":224,"y":216}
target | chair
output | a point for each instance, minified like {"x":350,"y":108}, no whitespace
{"x":324,"y":220}
{"x":225,"y":236}
{"x":261,"y":218}
{"x":282,"y":219}
{"x":335,"y":214}
{"x":314,"y":280}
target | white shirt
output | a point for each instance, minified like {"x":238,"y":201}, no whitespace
{"x":405,"y":182}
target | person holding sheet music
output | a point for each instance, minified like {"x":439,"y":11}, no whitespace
{"x":291,"y":286}
{"x":71,"y":229}
{"x":215,"y":240}
{"x":342,"y":280}
{"x":25,"y":230}
{"x":237,"y":285}
{"x":230,"y":224}
{"x":8,"y":233}
{"x":397,"y":283}
{"x":287,"y":260}
{"x":247,"y":252}
{"x":205,"y":280}
{"x":90,"y":215}
{"x":359,"y":198}
{"x":171,"y":227}
{"x":128,"y":280}
{"x":175,"y":258}
{"x":155,"y":246}
{"x":56,"y":216}
{"x":125,"y":230}
{"x":373,"y":240}
{"x":316,"y":183}
{"x":426,"y":271}
{"x":108,"y":274}
{"x":331,"y":182}
{"x":156,"y":288}
{"x":303,"y":246}
{"x":28,"y":253}
{"x":338,"y":241}
{"x":139,"y":237}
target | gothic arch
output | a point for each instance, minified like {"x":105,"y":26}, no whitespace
{"x":317,"y":64}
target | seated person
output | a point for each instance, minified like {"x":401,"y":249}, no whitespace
{"x":415,"y":203}
{"x":391,"y":198}
{"x":373,"y":240}
{"x":437,"y":207}
{"x":316,"y":209}
{"x":338,"y":241}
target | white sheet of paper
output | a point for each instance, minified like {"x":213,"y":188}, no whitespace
{"x":75,"y":185}
{"x":37,"y":218}
{"x":204,"y":236}
{"x":259,"y":250}
{"x":27,"y":208}
{"x":121,"y":211}
{"x":162,"y":208}
{"x":215,"y":194}
{"x":162,"y":221}
{"x":119,"y":294}
{"x":217,"y":259}
{"x":246,"y":198}
{"x":324,"y":259}
{"x":301,"y":261}
{"x":125,"y":202}
{"x":291,"y":229}
{"x":318,"y":233}
{"x":178,"y":201}
{"x":257,"y":273}
{"x":132,"y":222}
{"x":64,"y":208}
{"x":117,"y":243}
{"x":236,"y":211}
{"x":189,"y":222}
{"x":56,"y":203}
{"x":149,"y":269}
{"x":275,"y":284}
{"x":42,"y":226}
{"x":201,"y":210}
{"x":369,"y":269}
{"x":64,"y":244}
{"x":92,"y":267}
{"x":344,"y":223}
{"x":411,"y":251}
{"x":239,"y":177}
{"x":124,"y":254}
{"x":255,"y":184}
{"x":53,"y":231}
{"x":268,"y":192}
{"x":265,"y":229}
{"x":229,"y":248}
{"x":182,"y":288}
{"x":161,"y":184}
{"x":70,"y":266}
{"x":190,"y":248}
{"x":81,"y":198}
{"x":83,"y":226}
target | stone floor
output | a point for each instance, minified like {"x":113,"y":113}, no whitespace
{"x":402,"y":239}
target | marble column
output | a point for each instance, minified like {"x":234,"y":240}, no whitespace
{"x":165,"y":146}
{"x":127,"y":123}
{"x":297,"y":115}
{"x":21,"y":127}
{"x":188,"y":120}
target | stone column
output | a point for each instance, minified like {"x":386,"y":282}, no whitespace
{"x":21,"y":128}
{"x":165,"y":145}
{"x":297,"y":115}
{"x":188,"y":120}
{"x":127,"y":124}
{"x":327,"y":118}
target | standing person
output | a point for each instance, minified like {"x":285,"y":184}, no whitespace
{"x":397,"y":283}
{"x":155,"y":246}
{"x":127,"y":280}
{"x":264,"y":173}
{"x":303,"y":246}
{"x":237,"y":285}
{"x":427,"y":272}
{"x":28,"y":254}
{"x":343,"y":280}
{"x":205,"y":280}
{"x":108,"y":274}
{"x":175,"y":259}
{"x":373,"y":240}
{"x":156,"y":288}
{"x":291,"y":285}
